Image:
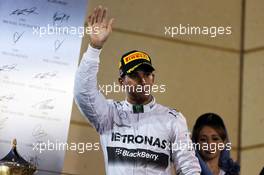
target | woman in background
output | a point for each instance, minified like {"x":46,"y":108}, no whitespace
{"x":213,"y":152}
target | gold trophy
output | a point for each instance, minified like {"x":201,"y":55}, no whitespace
{"x":14,"y":164}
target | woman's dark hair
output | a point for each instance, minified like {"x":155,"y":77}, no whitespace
{"x":212,"y":120}
{"x":225,"y":162}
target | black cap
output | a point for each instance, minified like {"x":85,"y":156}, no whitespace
{"x":133,"y":60}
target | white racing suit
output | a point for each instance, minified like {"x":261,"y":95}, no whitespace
{"x":133,"y":143}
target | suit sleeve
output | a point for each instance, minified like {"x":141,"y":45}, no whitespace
{"x":183,"y":156}
{"x":88,"y":98}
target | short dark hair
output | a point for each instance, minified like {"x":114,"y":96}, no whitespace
{"x":212,"y":120}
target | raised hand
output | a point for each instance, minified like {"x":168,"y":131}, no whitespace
{"x":102,"y":27}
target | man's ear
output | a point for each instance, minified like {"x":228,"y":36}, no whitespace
{"x":121,"y":81}
{"x":153,"y":77}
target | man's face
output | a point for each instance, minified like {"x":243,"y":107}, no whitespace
{"x":138,"y":83}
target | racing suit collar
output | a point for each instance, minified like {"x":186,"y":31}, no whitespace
{"x":145,"y":108}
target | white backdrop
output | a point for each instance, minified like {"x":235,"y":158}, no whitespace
{"x":37,"y":75}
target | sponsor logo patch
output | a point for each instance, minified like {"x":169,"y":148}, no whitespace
{"x":135,"y":56}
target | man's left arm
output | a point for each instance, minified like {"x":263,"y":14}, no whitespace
{"x":183,"y":156}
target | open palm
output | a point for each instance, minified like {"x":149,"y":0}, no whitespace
{"x":101,"y":25}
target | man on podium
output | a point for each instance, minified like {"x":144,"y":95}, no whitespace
{"x":137,"y":135}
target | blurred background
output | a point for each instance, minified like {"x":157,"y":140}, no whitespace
{"x":222,"y":74}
